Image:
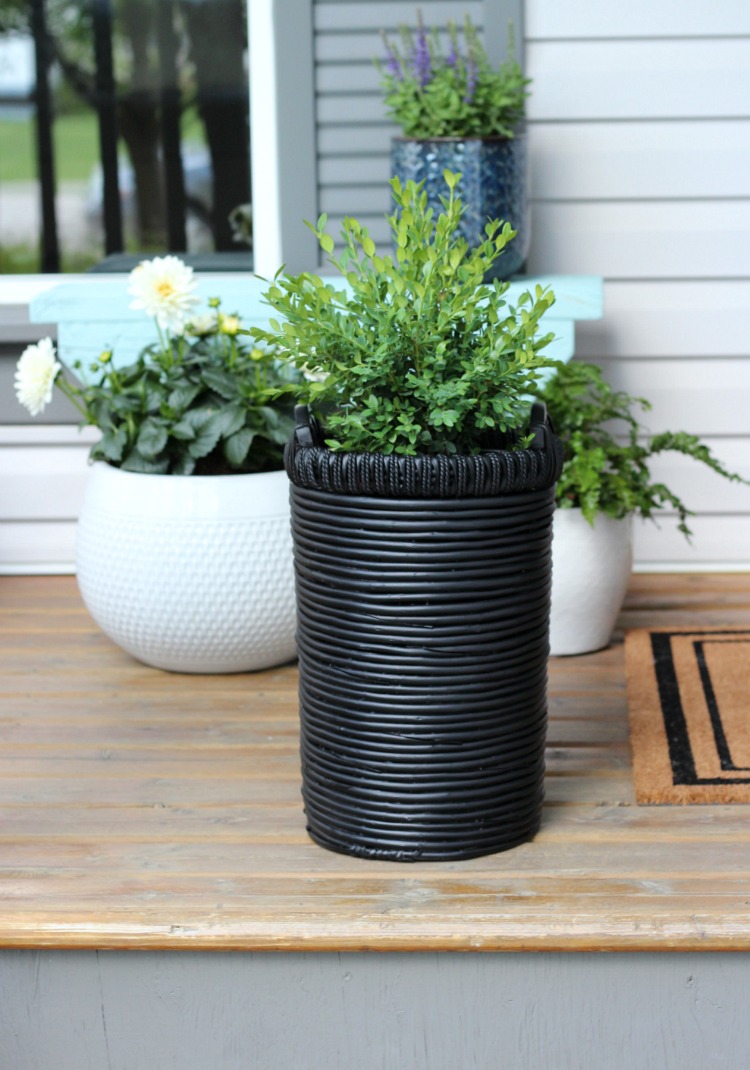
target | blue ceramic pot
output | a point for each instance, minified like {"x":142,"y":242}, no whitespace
{"x":494,"y":185}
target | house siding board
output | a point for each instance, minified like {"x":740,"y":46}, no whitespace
{"x":632,"y":160}
{"x":639,"y":139}
{"x":708,"y":239}
{"x":588,"y":19}
{"x":639,"y":79}
{"x":691,"y":319}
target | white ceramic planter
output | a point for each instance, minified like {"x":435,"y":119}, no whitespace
{"x":590,"y":571}
{"x":190,"y":573}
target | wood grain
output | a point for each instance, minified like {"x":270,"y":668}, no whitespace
{"x":142,"y":809}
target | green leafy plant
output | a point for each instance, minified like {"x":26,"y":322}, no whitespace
{"x":431,"y":93}
{"x":414,"y":354}
{"x":607,"y":449}
{"x":200,"y":400}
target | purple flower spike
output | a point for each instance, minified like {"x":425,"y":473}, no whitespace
{"x":393,"y":66}
{"x":451,"y":59}
{"x":392,"y":60}
{"x":421,"y":60}
{"x":471,"y":78}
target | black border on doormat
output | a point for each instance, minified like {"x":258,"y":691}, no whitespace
{"x":678,"y":740}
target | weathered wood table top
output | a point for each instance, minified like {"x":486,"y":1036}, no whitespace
{"x":142,"y":809}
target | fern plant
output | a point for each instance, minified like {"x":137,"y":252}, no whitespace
{"x":608,"y":451}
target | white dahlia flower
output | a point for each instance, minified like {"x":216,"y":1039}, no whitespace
{"x":163,"y":288}
{"x":36,"y":372}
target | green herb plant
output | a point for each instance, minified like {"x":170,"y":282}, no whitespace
{"x":202,"y":403}
{"x":432,"y":93}
{"x":607,"y":449}
{"x":412,"y":354}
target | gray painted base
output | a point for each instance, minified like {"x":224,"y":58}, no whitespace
{"x":83,"y":1010}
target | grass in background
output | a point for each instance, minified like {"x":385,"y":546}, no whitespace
{"x":76,"y":148}
{"x":76,"y":140}
{"x":23,"y":260}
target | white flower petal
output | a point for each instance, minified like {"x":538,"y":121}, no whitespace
{"x":36,"y":372}
{"x":163,"y":288}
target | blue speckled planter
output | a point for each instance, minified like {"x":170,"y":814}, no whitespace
{"x":494,"y":185}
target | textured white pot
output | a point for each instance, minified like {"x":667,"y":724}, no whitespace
{"x":590,"y":572}
{"x":190,"y":573}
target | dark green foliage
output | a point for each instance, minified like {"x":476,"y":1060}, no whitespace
{"x":607,"y":449}
{"x":417,"y":355}
{"x":207,"y":406}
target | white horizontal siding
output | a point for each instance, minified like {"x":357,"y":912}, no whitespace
{"x":639,"y":141}
{"x":702,"y":489}
{"x":719,"y":542}
{"x":702,"y":319}
{"x":45,"y":547}
{"x":704,"y":397}
{"x":42,"y":482}
{"x":43,"y":471}
{"x":642,"y":239}
{"x":639,"y":79}
{"x":638,"y":18}
{"x":640,"y":161}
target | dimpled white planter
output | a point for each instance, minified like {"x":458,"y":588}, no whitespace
{"x":190,"y":573}
{"x":590,"y":571}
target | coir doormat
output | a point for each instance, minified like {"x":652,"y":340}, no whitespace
{"x":689,"y":704}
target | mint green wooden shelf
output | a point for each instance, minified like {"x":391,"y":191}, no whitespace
{"x":93,"y":314}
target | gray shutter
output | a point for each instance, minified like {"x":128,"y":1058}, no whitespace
{"x":353,"y":134}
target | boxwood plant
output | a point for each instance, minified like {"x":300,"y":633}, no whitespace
{"x":413,"y":353}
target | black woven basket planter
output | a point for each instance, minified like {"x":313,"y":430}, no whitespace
{"x":423,"y":590}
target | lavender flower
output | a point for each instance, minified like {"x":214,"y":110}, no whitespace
{"x":440,"y":84}
{"x":471,"y":77}
{"x":421,"y":60}
{"x":454,"y":56}
{"x":392,"y":60}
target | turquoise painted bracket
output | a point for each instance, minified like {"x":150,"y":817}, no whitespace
{"x":94,"y":314}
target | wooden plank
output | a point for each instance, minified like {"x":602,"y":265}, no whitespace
{"x":639,"y":79}
{"x":642,"y":239}
{"x":42,"y":483}
{"x":705,"y":397}
{"x":47,"y":435}
{"x":143,"y":809}
{"x":685,"y":319}
{"x":718,"y":540}
{"x":546,"y":19}
{"x":635,"y":160}
{"x":33,"y":544}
